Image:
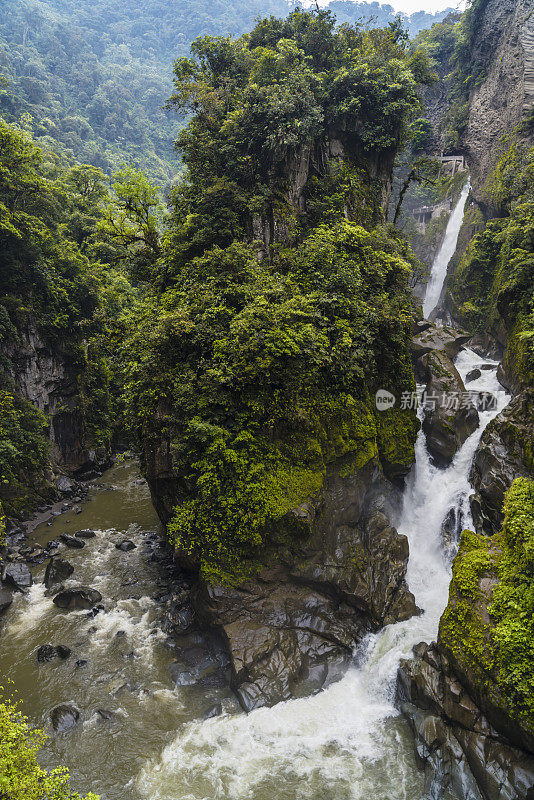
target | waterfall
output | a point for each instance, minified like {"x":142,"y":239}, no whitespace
{"x":348,"y":742}
{"x":445,"y":253}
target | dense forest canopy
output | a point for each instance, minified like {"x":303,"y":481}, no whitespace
{"x":95,"y":77}
{"x":268,"y":351}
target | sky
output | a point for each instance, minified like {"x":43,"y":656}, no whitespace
{"x":409,"y":6}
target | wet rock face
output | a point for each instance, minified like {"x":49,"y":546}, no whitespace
{"x":6,"y":598}
{"x":18,"y":576}
{"x":64,"y":717}
{"x":504,"y":453}
{"x":57,"y":571}
{"x":456,"y":744}
{"x":446,"y":427}
{"x":81,"y":597}
{"x":45,"y":377}
{"x":292,"y":629}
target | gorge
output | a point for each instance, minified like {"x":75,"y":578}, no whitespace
{"x":266,"y":472}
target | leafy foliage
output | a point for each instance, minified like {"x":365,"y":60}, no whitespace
{"x":264,"y":109}
{"x":95,"y":77}
{"x":497,"y":651}
{"x":62,"y":289}
{"x":21,"y":777}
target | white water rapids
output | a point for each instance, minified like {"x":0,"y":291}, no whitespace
{"x":445,"y":253}
{"x":346,"y":743}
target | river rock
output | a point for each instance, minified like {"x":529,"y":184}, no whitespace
{"x":65,"y":485}
{"x":72,"y":541}
{"x":18,"y":576}
{"x":504,"y":453}
{"x":126,"y":545}
{"x":473,"y":375}
{"x":446,"y":428}
{"x":77,"y":598}
{"x":440,"y":339}
{"x":48,"y":652}
{"x":105,"y":715}
{"x":85,"y":534}
{"x":64,"y":717}
{"x":6,"y":598}
{"x":57,"y":571}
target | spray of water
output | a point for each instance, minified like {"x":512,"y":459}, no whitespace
{"x":445,"y":253}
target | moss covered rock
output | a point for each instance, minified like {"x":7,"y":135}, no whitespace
{"x":487,"y":628}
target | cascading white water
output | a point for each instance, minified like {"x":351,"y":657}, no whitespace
{"x":445,"y":253}
{"x":348,"y":742}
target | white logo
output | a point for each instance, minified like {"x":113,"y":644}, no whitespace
{"x":384,"y":400}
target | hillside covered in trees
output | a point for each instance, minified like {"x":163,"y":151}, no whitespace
{"x":95,"y":78}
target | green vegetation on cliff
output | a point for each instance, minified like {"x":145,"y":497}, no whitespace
{"x":493,"y":286}
{"x":62,"y":291}
{"x":488,"y":625}
{"x":272,"y":329}
{"x":21,"y":777}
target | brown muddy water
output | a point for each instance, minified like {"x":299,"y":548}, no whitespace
{"x":162,"y":741}
{"x":128,"y":655}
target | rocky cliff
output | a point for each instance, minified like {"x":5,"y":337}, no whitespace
{"x":292,"y":628}
{"x":475,"y":723}
{"x":45,"y":379}
{"x":501,"y":55}
{"x":332,"y":570}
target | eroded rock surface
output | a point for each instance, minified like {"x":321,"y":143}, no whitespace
{"x":504,"y":453}
{"x":292,"y":629}
{"x":449,"y":418}
{"x":456,"y":744}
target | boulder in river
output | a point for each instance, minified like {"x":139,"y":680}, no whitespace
{"x":72,"y":541}
{"x":57,"y":571}
{"x":126,"y":545}
{"x":48,"y":652}
{"x":105,"y":715}
{"x":64,"y":717}
{"x":87,"y":533}
{"x":77,"y":598}
{"x":65,"y":485}
{"x":450,"y":417}
{"x":6,"y":598}
{"x":474,"y":375}
{"x":18,"y":576}
{"x":430,"y":338}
